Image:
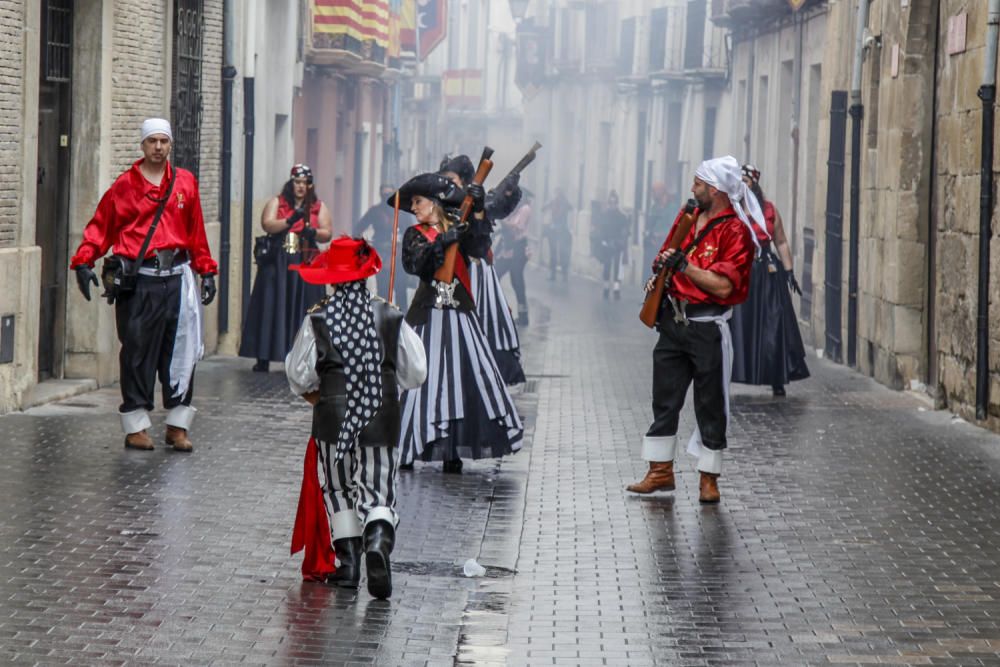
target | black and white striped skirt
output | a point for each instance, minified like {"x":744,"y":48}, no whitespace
{"x":463,"y":410}
{"x":496,"y":320}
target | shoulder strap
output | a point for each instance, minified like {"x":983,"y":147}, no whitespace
{"x":156,"y":221}
{"x":703,"y":233}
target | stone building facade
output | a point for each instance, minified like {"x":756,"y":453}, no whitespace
{"x":912,"y":320}
{"x":77,"y":80}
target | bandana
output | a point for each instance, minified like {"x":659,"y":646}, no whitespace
{"x":352,"y":328}
{"x":302,"y":171}
{"x":152,"y":126}
{"x":751,"y":172}
{"x":724,"y":174}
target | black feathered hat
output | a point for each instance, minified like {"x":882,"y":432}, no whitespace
{"x":458,"y":164}
{"x":432,"y":186}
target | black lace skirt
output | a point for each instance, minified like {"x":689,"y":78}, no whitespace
{"x":278,"y":302}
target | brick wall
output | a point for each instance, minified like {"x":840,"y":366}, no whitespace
{"x":139,"y":85}
{"x":211,"y":116}
{"x":11,"y":112}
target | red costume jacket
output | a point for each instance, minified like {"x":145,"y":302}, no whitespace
{"x":126,"y":211}
{"x":727,"y":250}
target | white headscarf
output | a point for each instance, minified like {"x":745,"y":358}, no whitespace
{"x":724,"y":174}
{"x":152,"y":126}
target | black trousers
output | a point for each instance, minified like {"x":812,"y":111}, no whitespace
{"x":147,"y":324}
{"x":686,"y":354}
{"x":560,"y":245}
{"x":611,"y":268}
{"x":516,"y":266}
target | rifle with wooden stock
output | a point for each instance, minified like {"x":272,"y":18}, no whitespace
{"x":651,"y":306}
{"x":446,"y":272}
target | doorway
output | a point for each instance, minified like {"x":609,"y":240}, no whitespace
{"x":52,"y":195}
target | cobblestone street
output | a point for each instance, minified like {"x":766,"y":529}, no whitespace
{"x":857,"y":526}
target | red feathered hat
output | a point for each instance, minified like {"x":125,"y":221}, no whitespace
{"x":345,"y":261}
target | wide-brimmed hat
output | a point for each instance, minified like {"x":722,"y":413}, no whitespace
{"x":431,"y":186}
{"x":458,"y":164}
{"x":345,"y":261}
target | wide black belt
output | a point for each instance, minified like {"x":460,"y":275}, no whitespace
{"x":693,"y":310}
{"x":164,"y":260}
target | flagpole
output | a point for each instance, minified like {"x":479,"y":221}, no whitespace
{"x":392,"y":253}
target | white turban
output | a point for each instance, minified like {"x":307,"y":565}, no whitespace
{"x":152,"y":126}
{"x":724,"y":174}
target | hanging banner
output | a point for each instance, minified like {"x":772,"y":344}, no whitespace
{"x":424,"y":24}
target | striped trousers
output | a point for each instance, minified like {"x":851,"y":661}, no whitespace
{"x":359,"y":488}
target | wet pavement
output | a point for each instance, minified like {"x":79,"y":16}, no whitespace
{"x":857,"y":527}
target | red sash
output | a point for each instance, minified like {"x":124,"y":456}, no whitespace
{"x":312,"y":527}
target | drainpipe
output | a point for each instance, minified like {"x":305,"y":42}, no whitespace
{"x":987,"y":93}
{"x":857,"y":111}
{"x":248,"y":130}
{"x":796,"y":116}
{"x":748,"y":112}
{"x":225,"y":206}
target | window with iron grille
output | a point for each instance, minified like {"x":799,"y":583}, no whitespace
{"x":186,"y":102}
{"x":58,"y":17}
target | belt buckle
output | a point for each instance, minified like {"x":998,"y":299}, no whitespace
{"x":165,"y":259}
{"x":445,"y":295}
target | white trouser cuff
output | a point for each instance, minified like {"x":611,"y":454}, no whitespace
{"x":659,"y":448}
{"x":382,"y":513}
{"x":710,"y":460}
{"x":135,"y":421}
{"x":181,"y":417}
{"x":345,"y":524}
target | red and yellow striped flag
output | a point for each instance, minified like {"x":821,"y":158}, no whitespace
{"x":362,"y":20}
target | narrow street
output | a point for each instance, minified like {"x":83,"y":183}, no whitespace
{"x":857,"y":526}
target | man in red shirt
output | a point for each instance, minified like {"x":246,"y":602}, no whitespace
{"x":711,"y":273}
{"x":159,"y":321}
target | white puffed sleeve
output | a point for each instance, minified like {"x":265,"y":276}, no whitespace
{"x":411,"y":360}
{"x":300,"y":364}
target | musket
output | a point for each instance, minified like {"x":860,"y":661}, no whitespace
{"x":528,"y":158}
{"x":651,"y":306}
{"x":446,"y":272}
{"x":392,"y":265}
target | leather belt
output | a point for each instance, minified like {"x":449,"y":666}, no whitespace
{"x":165,"y":260}
{"x":693,"y":310}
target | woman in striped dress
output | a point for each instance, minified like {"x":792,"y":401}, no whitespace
{"x":463,"y":410}
{"x":494,"y":313}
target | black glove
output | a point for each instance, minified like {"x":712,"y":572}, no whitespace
{"x":510,"y":182}
{"x":207,"y":289}
{"x":658,"y":264}
{"x":677,"y":261}
{"x":449,"y":237}
{"x":793,"y":284}
{"x":296,"y":216}
{"x":478,"y":195}
{"x":308,"y":233}
{"x":84,"y":276}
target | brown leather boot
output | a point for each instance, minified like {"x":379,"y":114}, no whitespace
{"x":709,"y":489}
{"x":659,"y":477}
{"x":140,"y":440}
{"x":177,"y":437}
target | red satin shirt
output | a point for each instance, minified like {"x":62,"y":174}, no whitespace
{"x":727,"y":250}
{"x":126,"y":211}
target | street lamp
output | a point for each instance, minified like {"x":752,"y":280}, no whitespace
{"x":518,"y":8}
